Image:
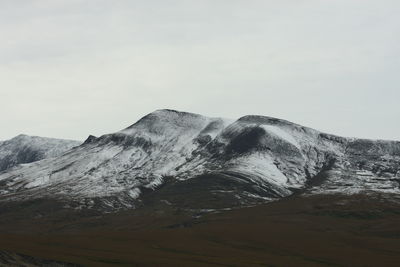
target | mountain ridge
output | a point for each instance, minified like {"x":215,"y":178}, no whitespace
{"x":251,"y":159}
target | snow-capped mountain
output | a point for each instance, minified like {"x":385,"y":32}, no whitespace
{"x":169,"y":153}
{"x":26,"y":149}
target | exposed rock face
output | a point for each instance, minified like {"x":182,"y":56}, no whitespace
{"x":27,"y":149}
{"x":252,"y":159}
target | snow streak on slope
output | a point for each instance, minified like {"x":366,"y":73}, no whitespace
{"x":272,"y":156}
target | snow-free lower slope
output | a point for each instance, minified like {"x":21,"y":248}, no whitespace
{"x":26,"y":149}
{"x":254,"y":157}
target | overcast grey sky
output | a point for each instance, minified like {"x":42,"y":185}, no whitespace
{"x":70,"y":68}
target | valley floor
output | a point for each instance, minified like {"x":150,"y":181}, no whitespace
{"x":299,"y":231}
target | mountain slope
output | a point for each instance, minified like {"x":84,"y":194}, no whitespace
{"x":26,"y":149}
{"x":169,"y":153}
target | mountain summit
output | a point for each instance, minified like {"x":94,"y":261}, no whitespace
{"x":199,"y":162}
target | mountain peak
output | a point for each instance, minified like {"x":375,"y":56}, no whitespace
{"x":26,"y":149}
{"x":20,"y":136}
{"x":170,"y":113}
{"x":164,"y":118}
{"x":262,"y":119}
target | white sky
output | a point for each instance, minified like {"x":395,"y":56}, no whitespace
{"x":70,"y":68}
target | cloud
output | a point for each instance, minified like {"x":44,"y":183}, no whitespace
{"x":73,"y":68}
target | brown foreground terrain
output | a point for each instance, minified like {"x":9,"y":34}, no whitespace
{"x":298,"y":231}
